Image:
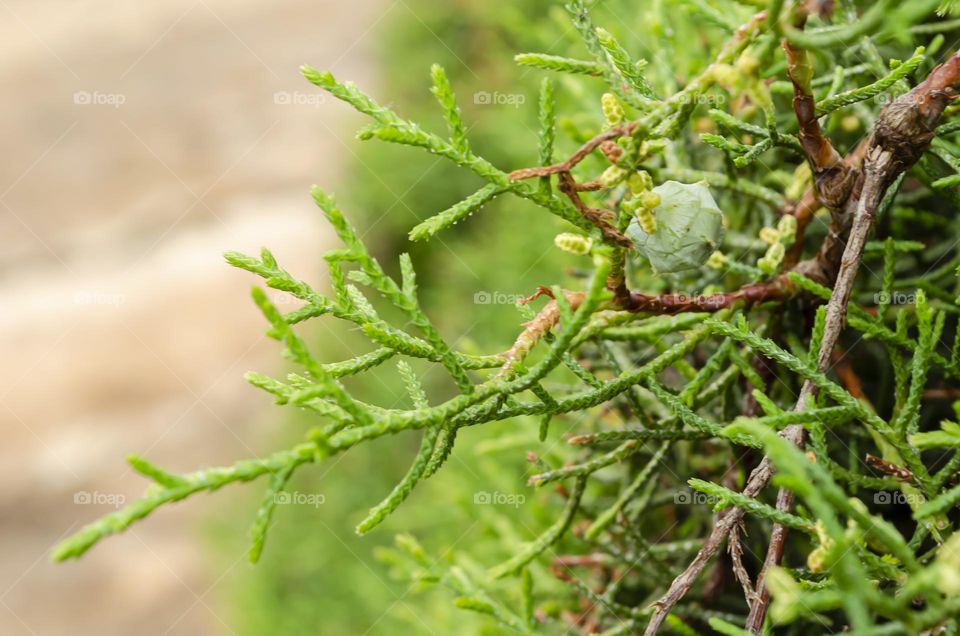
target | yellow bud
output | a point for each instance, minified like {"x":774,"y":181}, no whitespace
{"x":820,"y":528}
{"x":646,"y":219}
{"x":770,"y":261}
{"x":612,"y":176}
{"x":630,"y":205}
{"x":640,"y":181}
{"x":817,"y":560}
{"x":649,"y":200}
{"x":716,"y":260}
{"x":612,"y":110}
{"x":652,"y":147}
{"x":769,"y":235}
{"x":573,"y":243}
{"x":787,"y":226}
{"x":776,"y":252}
{"x":948,"y":565}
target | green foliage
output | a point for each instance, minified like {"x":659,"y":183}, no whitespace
{"x":900,"y":71}
{"x":657,"y":402}
{"x":558,"y":63}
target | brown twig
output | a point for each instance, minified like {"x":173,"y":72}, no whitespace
{"x":753,"y":294}
{"x":875,"y":179}
{"x":943,"y":393}
{"x":902,"y":132}
{"x":735,"y":550}
{"x":896,"y":471}
{"x":581,"y":153}
{"x":725,"y":522}
{"x":568,"y":561}
{"x":537,"y":328}
{"x":805,"y":209}
{"x":751,"y":408}
{"x":833,"y":179}
{"x":600,"y":218}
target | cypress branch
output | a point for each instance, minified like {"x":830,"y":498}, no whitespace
{"x":870,"y":91}
{"x":456,"y":213}
{"x":559,"y":64}
{"x":451,"y":112}
{"x":726,"y":497}
{"x":662,"y":350}
{"x":626,"y":69}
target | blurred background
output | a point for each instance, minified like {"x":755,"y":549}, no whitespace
{"x":141,"y":141}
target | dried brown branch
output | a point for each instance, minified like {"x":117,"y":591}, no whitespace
{"x":805,"y":209}
{"x":581,"y":153}
{"x":598,"y":217}
{"x":833,"y":178}
{"x":903,"y":130}
{"x":902,"y":133}
{"x":896,"y":471}
{"x":943,"y":393}
{"x":725,"y":522}
{"x":876,"y":176}
{"x":733,"y":47}
{"x":537,"y":328}
{"x":735,"y":549}
{"x":753,"y":294}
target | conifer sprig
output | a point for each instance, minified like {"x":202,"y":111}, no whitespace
{"x":686,"y":378}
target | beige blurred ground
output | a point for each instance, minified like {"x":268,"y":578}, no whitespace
{"x":141,"y":140}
